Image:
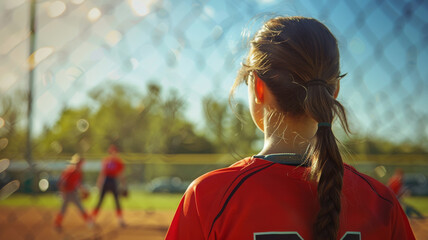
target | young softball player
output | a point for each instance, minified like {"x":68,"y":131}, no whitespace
{"x":395,"y":183}
{"x":297,"y":186}
{"x":70,"y":183}
{"x":108,"y":181}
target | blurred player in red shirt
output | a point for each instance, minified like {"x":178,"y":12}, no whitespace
{"x":395,"y":183}
{"x":297,"y":186}
{"x":109,"y":180}
{"x":70,"y":183}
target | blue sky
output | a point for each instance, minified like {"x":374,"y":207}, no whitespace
{"x":195,"y":47}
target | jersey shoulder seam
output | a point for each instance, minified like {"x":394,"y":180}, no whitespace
{"x":244,"y":170}
{"x":237,"y":186}
{"x":369,"y":183}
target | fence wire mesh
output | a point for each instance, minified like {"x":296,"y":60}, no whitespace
{"x":153,"y":77}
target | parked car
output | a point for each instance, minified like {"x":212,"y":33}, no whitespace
{"x":416,"y":183}
{"x":167,"y":185}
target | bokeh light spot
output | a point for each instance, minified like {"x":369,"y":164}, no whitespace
{"x":8,"y":189}
{"x":39,"y":55}
{"x":94,"y":14}
{"x":73,"y":73}
{"x":77,"y":2}
{"x":217,"y":32}
{"x":82,"y":125}
{"x":56,"y":9}
{"x":3,"y":143}
{"x":141,"y":7}
{"x":4,"y":164}
{"x":43,"y":185}
{"x":113,"y":37}
{"x":380,"y":171}
{"x":2,"y":122}
{"x":209,"y":11}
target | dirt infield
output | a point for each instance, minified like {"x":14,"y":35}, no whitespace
{"x":30,"y":223}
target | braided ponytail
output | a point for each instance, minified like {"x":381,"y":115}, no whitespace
{"x":326,"y":161}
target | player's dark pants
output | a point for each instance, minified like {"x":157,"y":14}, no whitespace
{"x":410,"y":211}
{"x":70,"y":197}
{"x":110,"y":185}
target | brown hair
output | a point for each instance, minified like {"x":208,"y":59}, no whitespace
{"x":287,"y":53}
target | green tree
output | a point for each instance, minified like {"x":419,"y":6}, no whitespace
{"x":70,"y":134}
{"x":12,"y":129}
{"x":230,"y":131}
{"x":377,"y":145}
{"x":136,"y":122}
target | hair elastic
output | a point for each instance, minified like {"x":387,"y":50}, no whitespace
{"x":324,"y":124}
{"x":315,"y":82}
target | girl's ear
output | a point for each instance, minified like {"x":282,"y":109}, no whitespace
{"x":259,"y":88}
{"x":336,"y":93}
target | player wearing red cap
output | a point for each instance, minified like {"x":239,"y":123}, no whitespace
{"x":111,"y":173}
{"x":297,"y":187}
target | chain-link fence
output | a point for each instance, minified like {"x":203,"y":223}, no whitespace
{"x":153,"y":77}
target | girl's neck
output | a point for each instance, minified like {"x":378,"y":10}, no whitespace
{"x":284,"y":134}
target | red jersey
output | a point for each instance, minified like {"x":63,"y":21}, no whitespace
{"x":70,"y":179}
{"x":262,"y":200}
{"x":112,"y":166}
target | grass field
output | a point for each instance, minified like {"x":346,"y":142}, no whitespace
{"x":139,"y":201}
{"x":420,"y":203}
{"x":135,"y":201}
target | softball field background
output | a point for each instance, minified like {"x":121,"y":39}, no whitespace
{"x":31,"y":223}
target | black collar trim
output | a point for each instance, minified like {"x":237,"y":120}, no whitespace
{"x":292,"y":159}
